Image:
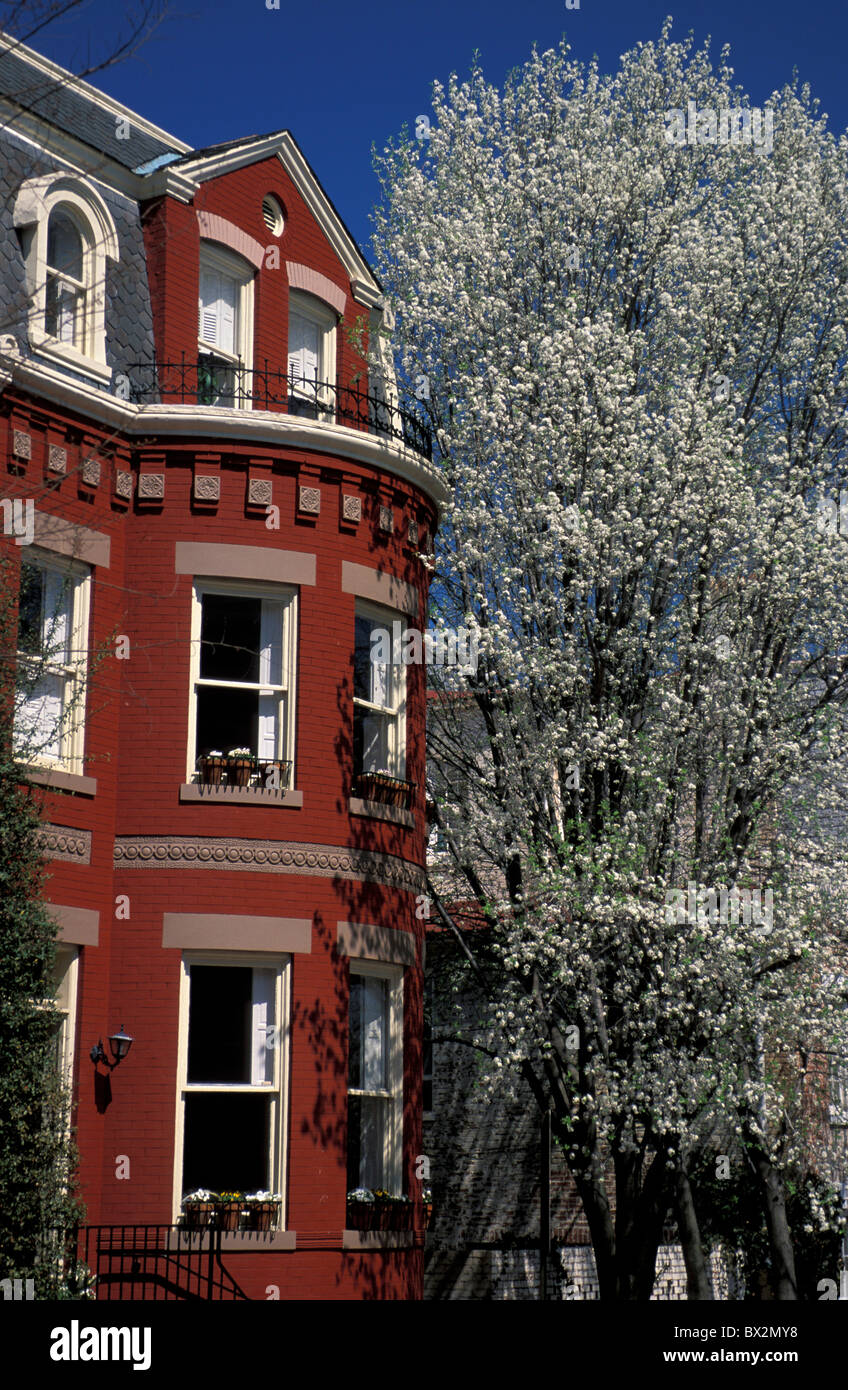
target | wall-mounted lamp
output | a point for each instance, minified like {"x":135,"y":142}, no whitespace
{"x":120,"y":1043}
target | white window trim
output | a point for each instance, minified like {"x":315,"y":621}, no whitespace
{"x":281,"y":1054}
{"x":307,"y":306}
{"x":72,"y":730}
{"x":69,"y":1020}
{"x":248,"y":589}
{"x":397,"y":679}
{"x":37,"y":198}
{"x":216,"y":258}
{"x":393,"y":1147}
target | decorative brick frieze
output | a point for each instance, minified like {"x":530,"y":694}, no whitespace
{"x":351,"y":507}
{"x":57,"y":459}
{"x":151,"y":487}
{"x":61,"y":842}
{"x":412,"y":531}
{"x":90,"y":472}
{"x":387,"y":519}
{"x":309,"y":500}
{"x":207,"y":487}
{"x":260,"y":492}
{"x":267,"y":857}
{"x":123,"y":485}
{"x":21,"y":444}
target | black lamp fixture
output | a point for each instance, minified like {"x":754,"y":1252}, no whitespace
{"x":120,"y":1044}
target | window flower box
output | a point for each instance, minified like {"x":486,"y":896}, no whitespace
{"x":211,"y":767}
{"x":282,"y":770}
{"x":241,"y":766}
{"x":382,"y":787}
{"x":377,"y":1211}
{"x":228,"y":1211}
{"x":197,"y":1209}
{"x":261,"y":1210}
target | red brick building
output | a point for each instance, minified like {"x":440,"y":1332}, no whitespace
{"x":220,"y":496}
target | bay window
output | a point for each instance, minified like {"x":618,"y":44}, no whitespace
{"x":243,"y":654}
{"x":233,"y":1048}
{"x":375,"y":1077}
{"x":52,"y":657}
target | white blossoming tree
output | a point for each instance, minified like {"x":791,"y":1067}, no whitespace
{"x":633,"y":354}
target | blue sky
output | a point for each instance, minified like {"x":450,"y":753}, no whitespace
{"x":342,"y":76}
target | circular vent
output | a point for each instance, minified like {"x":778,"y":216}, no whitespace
{"x":272,"y":214}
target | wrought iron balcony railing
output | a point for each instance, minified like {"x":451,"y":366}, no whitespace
{"x":142,"y":1262}
{"x":210,"y":380}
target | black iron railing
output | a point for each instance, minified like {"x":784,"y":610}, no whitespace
{"x":117,"y":1263}
{"x":210,"y":380}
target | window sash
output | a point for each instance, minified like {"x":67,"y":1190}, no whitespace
{"x":49,"y":704}
{"x":269,"y":1009}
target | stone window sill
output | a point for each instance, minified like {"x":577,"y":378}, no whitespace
{"x":246,"y":796}
{"x":377,"y":1240}
{"x":376,"y":810}
{"x":254,"y":1242}
{"x":62,"y":781}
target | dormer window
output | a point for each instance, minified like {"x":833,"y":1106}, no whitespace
{"x":224,"y":328}
{"x":64,"y":314}
{"x":311,"y":357}
{"x":67,"y":235}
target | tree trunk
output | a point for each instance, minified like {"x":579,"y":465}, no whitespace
{"x":697,"y":1280}
{"x":780,"y":1239}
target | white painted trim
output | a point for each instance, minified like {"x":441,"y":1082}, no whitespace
{"x":282,"y":1062}
{"x":396,"y":710}
{"x":284,"y":146}
{"x":287,"y":732}
{"x":228,"y":263}
{"x":216,"y":422}
{"x":64,"y":77}
{"x":36,"y":200}
{"x":393,"y":1152}
{"x":71,"y":730}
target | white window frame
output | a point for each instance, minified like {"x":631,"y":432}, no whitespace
{"x":217,"y":260}
{"x":277,"y":1088}
{"x":315,"y":311}
{"x":393,"y":1137}
{"x":36,"y":200}
{"x":67,"y":978}
{"x":278,"y":593}
{"x":71,"y":726}
{"x":396,"y":682}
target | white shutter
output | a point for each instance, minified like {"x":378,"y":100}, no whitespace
{"x":270,"y":674}
{"x":228,"y":302}
{"x":304,"y":350}
{"x":263,"y":1021}
{"x":208,"y":324}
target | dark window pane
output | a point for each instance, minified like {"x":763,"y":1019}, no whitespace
{"x":229,"y":638}
{"x":30,"y":605}
{"x":367,"y":1043}
{"x":64,"y":246}
{"x":227,"y":1142}
{"x":362,"y":658}
{"x":366,"y":1127}
{"x":226,"y":719}
{"x":219,"y":1028}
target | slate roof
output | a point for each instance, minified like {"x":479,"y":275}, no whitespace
{"x":74,"y":111}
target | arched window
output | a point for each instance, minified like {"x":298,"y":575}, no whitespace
{"x":65,"y":306}
{"x":67,"y":234}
